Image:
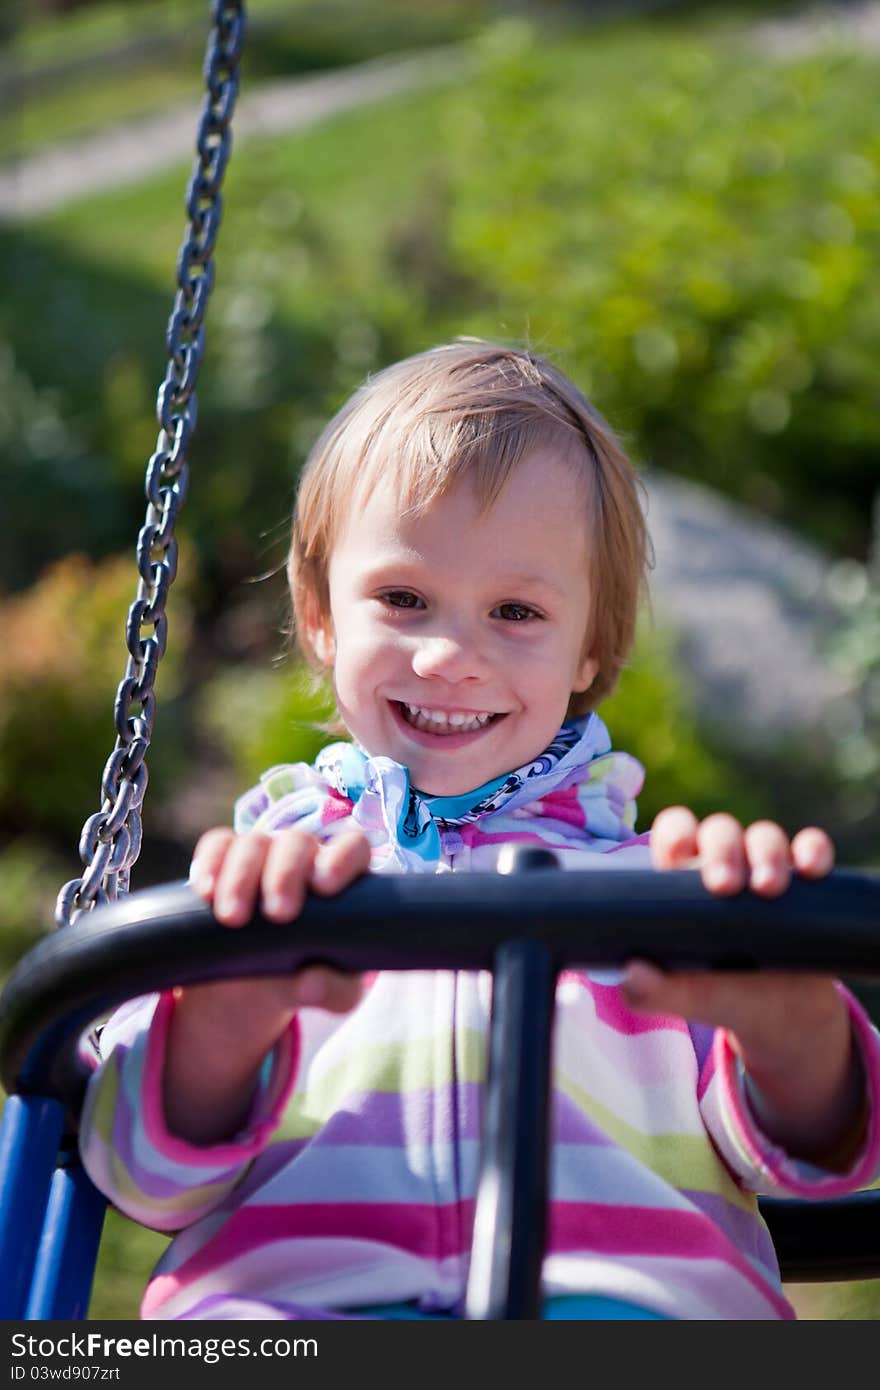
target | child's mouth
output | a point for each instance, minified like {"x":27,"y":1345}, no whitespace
{"x":445,"y":723}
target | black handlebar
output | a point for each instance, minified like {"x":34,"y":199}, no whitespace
{"x":160,"y":937}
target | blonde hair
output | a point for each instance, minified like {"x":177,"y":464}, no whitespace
{"x":474,"y":408}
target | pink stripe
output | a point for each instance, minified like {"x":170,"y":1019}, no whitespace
{"x":643,"y":839}
{"x":432,"y":1232}
{"x":612,"y":1010}
{"x":577,"y":1226}
{"x":179,"y":1150}
{"x":473,"y":836}
{"x":336,"y":807}
{"x":767,"y":1157}
{"x":707,"y":1075}
{"x":564,"y":805}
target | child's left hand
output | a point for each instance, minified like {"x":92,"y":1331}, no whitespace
{"x":731,"y":858}
{"x":791,"y":1030}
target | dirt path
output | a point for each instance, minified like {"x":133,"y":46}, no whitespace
{"x":136,"y":150}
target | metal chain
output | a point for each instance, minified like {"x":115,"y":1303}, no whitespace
{"x":111,"y":839}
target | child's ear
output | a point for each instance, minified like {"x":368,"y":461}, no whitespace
{"x":319,"y":633}
{"x":586,"y":672}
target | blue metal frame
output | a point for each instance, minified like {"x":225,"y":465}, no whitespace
{"x":64,"y":1268}
{"x":51,"y":1215}
{"x":29,"y":1137}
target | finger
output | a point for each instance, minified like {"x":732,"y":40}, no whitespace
{"x":765,"y":1010}
{"x":286,"y":873}
{"x":769,"y":858}
{"x":238,"y":879}
{"x":813,"y":852}
{"x":648,"y":989}
{"x":208,"y":856}
{"x":714,"y":997}
{"x":320,"y":987}
{"x":674,"y":837}
{"x":340,"y":861}
{"x":722,"y":853}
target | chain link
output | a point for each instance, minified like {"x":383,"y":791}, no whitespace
{"x":111,"y":838}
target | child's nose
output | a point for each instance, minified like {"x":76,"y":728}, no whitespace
{"x":454,"y":658}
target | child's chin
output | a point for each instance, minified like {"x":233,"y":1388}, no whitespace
{"x":434,"y":783}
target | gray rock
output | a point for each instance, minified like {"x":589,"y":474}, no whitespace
{"x":749,"y":607}
{"x":841,"y":24}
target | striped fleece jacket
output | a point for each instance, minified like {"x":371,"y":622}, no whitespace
{"x":353,"y":1182}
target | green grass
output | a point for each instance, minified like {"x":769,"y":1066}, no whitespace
{"x":344,"y":208}
{"x":126,"y":1257}
{"x":83,"y":107}
{"x":43,"y":40}
{"x":40,"y":40}
{"x":284,"y":39}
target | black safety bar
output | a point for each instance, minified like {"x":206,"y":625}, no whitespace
{"x":524,"y":927}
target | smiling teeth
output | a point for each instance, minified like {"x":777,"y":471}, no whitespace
{"x":439,"y":722}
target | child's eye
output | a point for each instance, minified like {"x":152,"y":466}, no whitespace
{"x":402,"y":598}
{"x":515,"y":612}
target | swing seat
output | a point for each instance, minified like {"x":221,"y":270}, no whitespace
{"x":524,"y":926}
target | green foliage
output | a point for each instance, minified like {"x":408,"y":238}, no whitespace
{"x":30,"y":875}
{"x":61,"y":659}
{"x":265,"y":717}
{"x":43,"y":455}
{"x":363,"y":26}
{"x":694,"y":229}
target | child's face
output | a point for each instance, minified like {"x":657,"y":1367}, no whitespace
{"x":457,"y":638}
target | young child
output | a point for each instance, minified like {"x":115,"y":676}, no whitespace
{"x":468,"y":554}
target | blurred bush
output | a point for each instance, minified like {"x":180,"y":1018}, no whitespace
{"x":261,"y":717}
{"x":30,"y":876}
{"x":696,"y":227}
{"x":44,"y":459}
{"x":61,"y":657}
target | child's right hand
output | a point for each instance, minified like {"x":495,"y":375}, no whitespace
{"x":236,"y":874}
